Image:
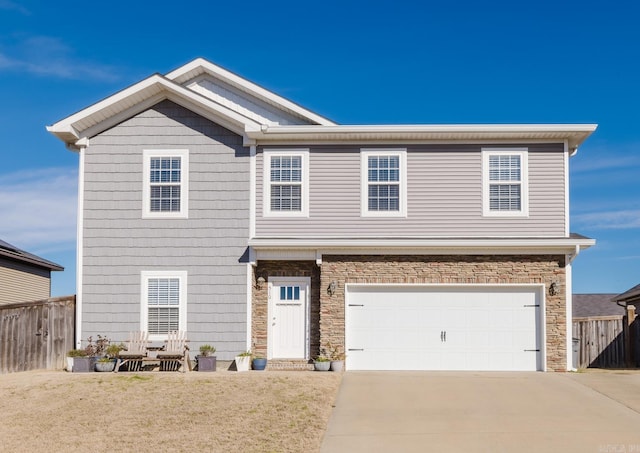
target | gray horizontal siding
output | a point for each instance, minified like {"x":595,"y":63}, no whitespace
{"x":209,"y":244}
{"x":444,"y":196}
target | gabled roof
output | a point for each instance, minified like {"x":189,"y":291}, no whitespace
{"x":628,"y":296}
{"x":9,"y":251}
{"x":200,"y":66}
{"x":120,"y":106}
{"x":261,"y":116}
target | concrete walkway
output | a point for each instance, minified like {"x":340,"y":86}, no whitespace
{"x":488,"y":412}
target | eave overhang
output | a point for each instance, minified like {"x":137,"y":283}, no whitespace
{"x":24,"y":257}
{"x":139,"y":97}
{"x":573,"y":134}
{"x":427,"y":246}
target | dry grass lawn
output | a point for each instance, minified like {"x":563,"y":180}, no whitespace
{"x":272,"y":411}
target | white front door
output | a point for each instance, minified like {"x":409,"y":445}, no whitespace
{"x":288,"y":316}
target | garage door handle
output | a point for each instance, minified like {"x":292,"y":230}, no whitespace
{"x":532,"y":350}
{"x":350,"y":349}
{"x":443,"y":336}
{"x":356,"y":305}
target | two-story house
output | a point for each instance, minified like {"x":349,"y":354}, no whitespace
{"x":211,"y":205}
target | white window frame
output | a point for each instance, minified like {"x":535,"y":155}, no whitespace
{"x":145,"y":276}
{"x":524,"y":181}
{"x":303,"y":153}
{"x":148,"y":154}
{"x":365,"y":153}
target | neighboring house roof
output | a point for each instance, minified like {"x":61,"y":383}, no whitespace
{"x":629,"y":296}
{"x":590,"y":305}
{"x":262,"y":116}
{"x":9,"y":251}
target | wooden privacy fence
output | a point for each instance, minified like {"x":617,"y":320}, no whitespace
{"x":36,"y":335}
{"x":601,"y":341}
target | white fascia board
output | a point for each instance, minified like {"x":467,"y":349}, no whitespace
{"x":575,"y":134}
{"x":140,"y":96}
{"x":435,"y":246}
{"x":200,"y":65}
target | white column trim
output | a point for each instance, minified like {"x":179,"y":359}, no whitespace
{"x":252,"y":233}
{"x":567,"y":226}
{"x":569,"y":313}
{"x":79,"y":245}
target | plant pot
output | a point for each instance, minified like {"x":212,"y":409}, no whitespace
{"x":206,"y":363}
{"x":259,"y":364}
{"x":105,"y":366}
{"x":322,"y":366}
{"x":337,"y":365}
{"x":83,"y":364}
{"x":243,"y":362}
{"x":69,"y":364}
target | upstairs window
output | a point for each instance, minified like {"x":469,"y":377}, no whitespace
{"x":505,"y":190}
{"x":165,"y":187}
{"x":163,"y":302}
{"x":383,"y":182}
{"x":286,"y":186}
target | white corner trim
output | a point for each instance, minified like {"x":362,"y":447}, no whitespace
{"x":249,"y":303}
{"x":365,"y":153}
{"x":79,"y":247}
{"x":567,"y":212}
{"x":267,"y":154}
{"x":252,"y":191}
{"x":569,"y":313}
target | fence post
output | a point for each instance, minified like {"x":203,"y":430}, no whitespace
{"x":630,"y":336}
{"x":629,"y":342}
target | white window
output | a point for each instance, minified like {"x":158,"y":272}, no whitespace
{"x":166,"y":183}
{"x":505,"y":185}
{"x":286,"y":187}
{"x":164,"y":302}
{"x":384,"y":182}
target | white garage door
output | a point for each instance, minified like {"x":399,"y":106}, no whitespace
{"x":443,"y":328}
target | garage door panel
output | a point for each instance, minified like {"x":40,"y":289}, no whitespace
{"x":452,"y":328}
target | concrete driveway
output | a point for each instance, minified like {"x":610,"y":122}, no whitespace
{"x":594,"y":411}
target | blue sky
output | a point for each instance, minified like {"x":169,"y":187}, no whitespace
{"x":352,"y":61}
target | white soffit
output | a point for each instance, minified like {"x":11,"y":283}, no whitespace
{"x":417,"y":246}
{"x":575,"y":134}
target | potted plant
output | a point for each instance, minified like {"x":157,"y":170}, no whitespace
{"x":243,"y":360}
{"x":72,"y":356}
{"x":259,"y":363}
{"x":336,"y":356}
{"x":108,"y":361}
{"x":105,"y":364}
{"x":206,"y":360}
{"x":85,"y":362}
{"x":322,"y":363}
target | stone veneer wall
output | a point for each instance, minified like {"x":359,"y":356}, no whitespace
{"x":260,"y":304}
{"x":481,"y":269}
